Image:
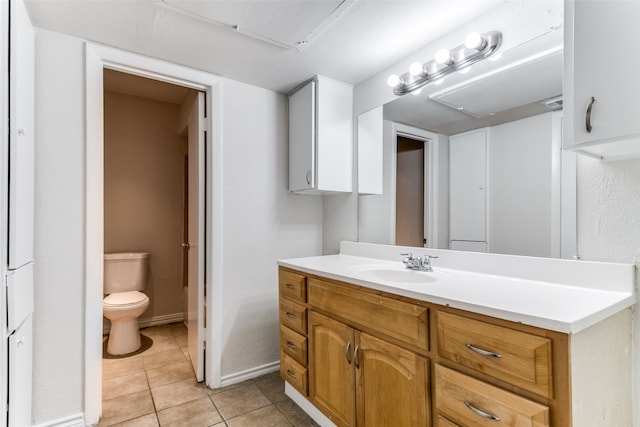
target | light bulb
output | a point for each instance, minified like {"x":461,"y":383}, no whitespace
{"x":443,"y":56}
{"x":393,"y":80}
{"x":416,"y":69}
{"x":475,"y":41}
{"x":416,"y":92}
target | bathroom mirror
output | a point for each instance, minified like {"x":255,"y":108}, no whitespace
{"x":500,"y":124}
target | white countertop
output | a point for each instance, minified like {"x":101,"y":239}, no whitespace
{"x":560,"y":307}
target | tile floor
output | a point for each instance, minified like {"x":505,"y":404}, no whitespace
{"x":156,"y":387}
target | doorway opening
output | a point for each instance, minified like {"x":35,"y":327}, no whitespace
{"x":101,"y":58}
{"x":410,"y":195}
{"x":152,"y":198}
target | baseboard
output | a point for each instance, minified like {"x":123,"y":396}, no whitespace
{"x":151,"y":321}
{"x":249,"y":373}
{"x":76,"y":420}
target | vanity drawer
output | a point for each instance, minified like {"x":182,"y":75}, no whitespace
{"x":473,"y":403}
{"x":294,"y":373}
{"x":293,"y":285}
{"x":519,"y":358}
{"x":293,"y":315}
{"x":443,"y":422}
{"x":294,"y":344}
{"x":398,"y":319}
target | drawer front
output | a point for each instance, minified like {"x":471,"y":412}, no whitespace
{"x":470,"y":402}
{"x":294,"y":373}
{"x":293,"y":285}
{"x":293,"y":315}
{"x":443,"y":422}
{"x":516,"y":357}
{"x":398,"y":319}
{"x":294,"y":344}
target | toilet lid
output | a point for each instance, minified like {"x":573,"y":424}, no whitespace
{"x":122,"y":299}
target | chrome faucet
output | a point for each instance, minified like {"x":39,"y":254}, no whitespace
{"x":418,"y":263}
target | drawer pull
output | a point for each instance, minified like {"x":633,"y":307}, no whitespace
{"x":481,"y":413}
{"x":291,"y":373}
{"x":289,"y":286}
{"x":291,"y":345}
{"x":482,"y":352}
{"x":347,"y":352}
{"x":290,"y":315}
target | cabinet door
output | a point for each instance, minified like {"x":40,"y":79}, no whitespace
{"x":302,"y":138}
{"x":392,"y":384}
{"x":602,"y":36}
{"x":331,"y":371}
{"x":468,"y":184}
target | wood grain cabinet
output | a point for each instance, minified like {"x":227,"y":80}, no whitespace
{"x":377,"y":359}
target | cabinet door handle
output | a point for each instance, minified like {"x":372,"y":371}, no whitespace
{"x":356,"y":362}
{"x":482,"y":352}
{"x":588,"y":117}
{"x":347,"y":352}
{"x":481,"y":413}
{"x":289,"y":286}
{"x":308,"y":176}
{"x":290,"y":315}
{"x":291,"y":373}
{"x":291,"y":345}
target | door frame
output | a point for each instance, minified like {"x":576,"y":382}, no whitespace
{"x":98,"y":57}
{"x":431,"y":142}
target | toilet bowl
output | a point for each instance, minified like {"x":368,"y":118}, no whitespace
{"x":125,"y":275}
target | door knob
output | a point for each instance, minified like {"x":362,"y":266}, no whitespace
{"x":186,"y":245}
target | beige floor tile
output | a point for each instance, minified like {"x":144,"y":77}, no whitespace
{"x":121,"y":386}
{"x":239,"y":400}
{"x":269,"y":416}
{"x":125,"y":408}
{"x":156,"y":360}
{"x":170,"y":374}
{"x":272,"y":385}
{"x":197,"y":413}
{"x":176,"y":393}
{"x":113,"y":368}
{"x":161,"y":344}
{"x":295,"y":414}
{"x":178,"y":329}
{"x":154,"y":332}
{"x":182,"y":340}
{"x":150,"y":420}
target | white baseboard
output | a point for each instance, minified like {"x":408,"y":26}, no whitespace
{"x":249,"y":373}
{"x":150,"y":321}
{"x":76,"y":420}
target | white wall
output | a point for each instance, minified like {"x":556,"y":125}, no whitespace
{"x":262,"y":222}
{"x":609,"y":228}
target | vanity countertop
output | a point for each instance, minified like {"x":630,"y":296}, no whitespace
{"x":556,"y":306}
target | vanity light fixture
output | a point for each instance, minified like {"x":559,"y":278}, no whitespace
{"x":476,"y":47}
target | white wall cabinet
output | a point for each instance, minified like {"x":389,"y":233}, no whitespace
{"x":321,"y":137}
{"x":468,"y":189}
{"x":601,"y":107}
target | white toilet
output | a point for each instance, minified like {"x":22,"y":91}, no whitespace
{"x":125,"y":275}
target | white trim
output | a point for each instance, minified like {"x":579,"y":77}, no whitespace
{"x":99,"y":57}
{"x":307,"y":406}
{"x":76,"y":420}
{"x":238,"y":377}
{"x":555,"y":213}
{"x":431,"y":141}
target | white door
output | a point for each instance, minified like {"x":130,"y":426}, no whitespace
{"x":196,"y":242}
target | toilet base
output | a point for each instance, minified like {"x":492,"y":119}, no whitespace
{"x":124,"y":336}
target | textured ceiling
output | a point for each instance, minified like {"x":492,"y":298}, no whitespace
{"x":364,"y":38}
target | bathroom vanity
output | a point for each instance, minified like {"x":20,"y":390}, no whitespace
{"x":481,"y":339}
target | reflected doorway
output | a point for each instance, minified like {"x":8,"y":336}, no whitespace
{"x":410,"y":186}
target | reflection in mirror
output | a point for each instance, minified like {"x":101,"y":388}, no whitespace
{"x":476,"y":162}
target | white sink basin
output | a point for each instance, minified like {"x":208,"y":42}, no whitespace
{"x":392,"y":274}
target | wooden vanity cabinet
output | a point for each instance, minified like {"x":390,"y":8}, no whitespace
{"x":379,"y":359}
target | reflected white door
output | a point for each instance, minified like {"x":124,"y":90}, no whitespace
{"x":196,"y":242}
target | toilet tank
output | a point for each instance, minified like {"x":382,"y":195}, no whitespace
{"x":125,"y":271}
